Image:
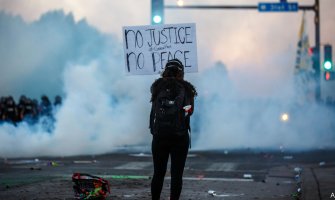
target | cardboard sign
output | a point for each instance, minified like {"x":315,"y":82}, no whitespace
{"x":148,"y":48}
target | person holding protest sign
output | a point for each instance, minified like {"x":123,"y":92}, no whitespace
{"x":172,"y":105}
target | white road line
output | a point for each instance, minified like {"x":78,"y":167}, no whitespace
{"x":67,"y":176}
{"x":134,"y":165}
{"x":224,"y":166}
{"x":215,"y":179}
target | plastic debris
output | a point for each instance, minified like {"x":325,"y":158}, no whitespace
{"x":297,"y":170}
{"x":52,"y":163}
{"x":299,"y":190}
{"x":211,"y":192}
{"x":247,"y":176}
{"x":322,"y":163}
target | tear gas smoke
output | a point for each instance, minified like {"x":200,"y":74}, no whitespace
{"x":103,"y":109}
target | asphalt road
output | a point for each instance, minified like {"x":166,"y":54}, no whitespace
{"x":229,"y":175}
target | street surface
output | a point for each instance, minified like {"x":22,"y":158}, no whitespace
{"x":228,"y":175}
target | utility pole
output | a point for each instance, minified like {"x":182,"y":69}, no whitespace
{"x":282,"y":6}
{"x":317,"y":48}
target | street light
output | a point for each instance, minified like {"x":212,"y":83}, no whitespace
{"x":284,"y":117}
{"x":180,"y":3}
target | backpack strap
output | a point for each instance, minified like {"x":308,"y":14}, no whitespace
{"x":151,"y":122}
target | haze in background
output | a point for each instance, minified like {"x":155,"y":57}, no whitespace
{"x":104,"y":110}
{"x":237,"y":38}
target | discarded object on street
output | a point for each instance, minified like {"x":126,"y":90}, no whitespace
{"x":211,"y":192}
{"x":297,"y":169}
{"x":87,"y":186}
{"x":297,"y":178}
{"x":52,"y":163}
{"x":247,"y":176}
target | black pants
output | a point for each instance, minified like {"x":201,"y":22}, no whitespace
{"x":162,"y":148}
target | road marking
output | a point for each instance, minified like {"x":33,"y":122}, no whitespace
{"x":224,"y":166}
{"x":66,"y":176}
{"x":215,"y":179}
{"x":134,"y":165}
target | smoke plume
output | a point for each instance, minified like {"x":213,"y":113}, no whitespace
{"x":104,"y":110}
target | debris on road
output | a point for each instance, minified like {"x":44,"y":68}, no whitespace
{"x":87,"y":186}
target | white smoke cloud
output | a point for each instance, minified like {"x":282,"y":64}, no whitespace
{"x":103,"y":109}
{"x":229,"y":119}
{"x":95,"y":117}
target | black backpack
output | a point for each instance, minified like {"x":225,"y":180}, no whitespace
{"x":167,"y":114}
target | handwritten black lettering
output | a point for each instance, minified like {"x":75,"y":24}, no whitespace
{"x":161,"y":44}
{"x":150,"y":31}
{"x":128,"y":59}
{"x":187,"y":34}
{"x":138,"y":60}
{"x":155,"y":60}
{"x":163,"y":34}
{"x":175,"y":35}
{"x":186,"y":58}
{"x":137,"y":37}
{"x":180,"y":34}
{"x":126,"y":36}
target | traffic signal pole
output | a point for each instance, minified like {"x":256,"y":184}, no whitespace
{"x":315,"y":8}
{"x":317,"y":45}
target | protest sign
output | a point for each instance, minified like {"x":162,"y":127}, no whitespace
{"x":148,"y":48}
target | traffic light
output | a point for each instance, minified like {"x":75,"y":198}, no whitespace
{"x":157,"y":11}
{"x":328,"y":62}
{"x":329,"y":75}
{"x":312,"y":51}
